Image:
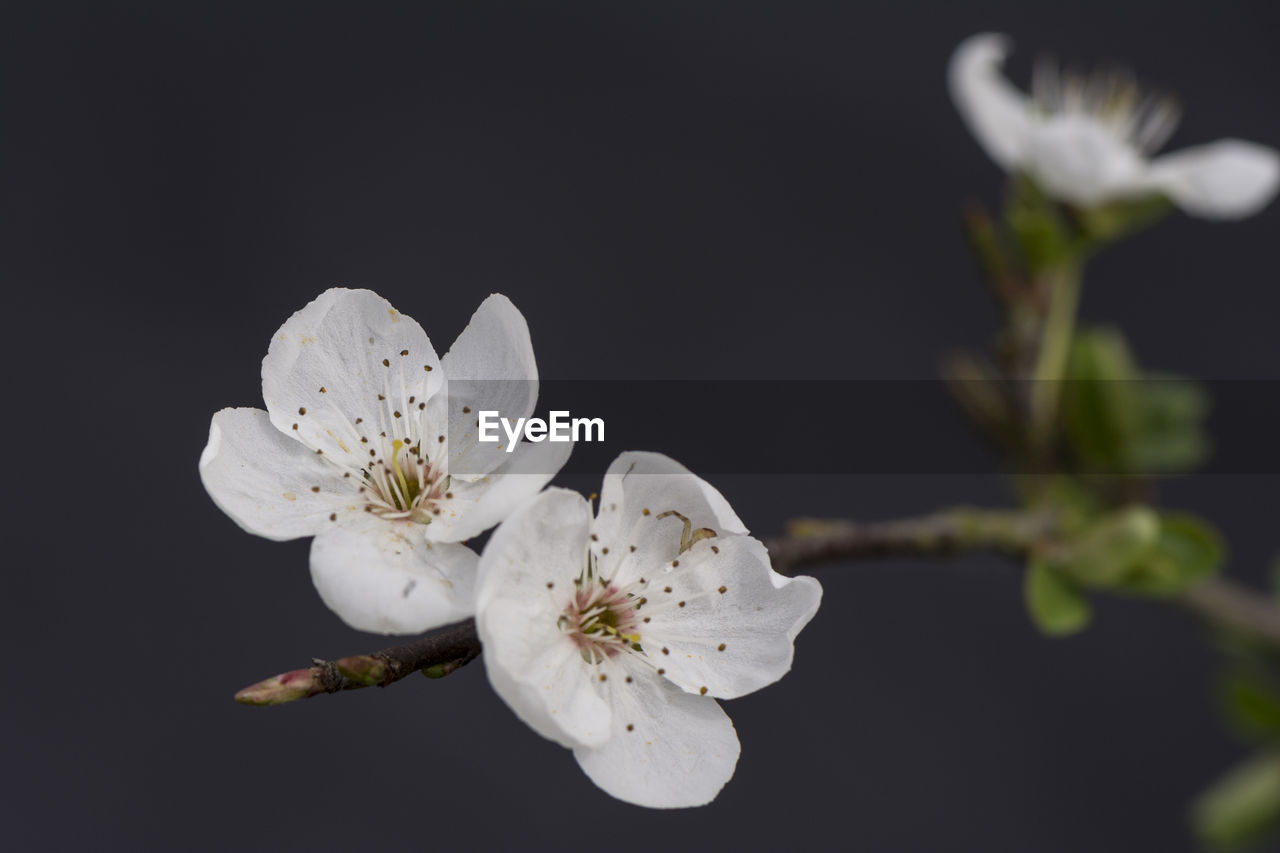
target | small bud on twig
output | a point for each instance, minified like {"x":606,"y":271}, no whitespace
{"x":286,"y":687}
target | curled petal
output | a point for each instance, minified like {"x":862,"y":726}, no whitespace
{"x":641,"y":493}
{"x":668,"y":749}
{"x":729,"y":624}
{"x":384,"y":577}
{"x":264,"y":479}
{"x":996,"y":113}
{"x":1228,"y":179}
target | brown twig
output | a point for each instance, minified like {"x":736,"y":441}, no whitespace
{"x":808,"y":542}
{"x":436,"y":654}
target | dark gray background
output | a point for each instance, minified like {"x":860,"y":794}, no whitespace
{"x":666,"y":190}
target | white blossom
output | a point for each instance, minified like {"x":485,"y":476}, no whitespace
{"x":368,"y":443}
{"x":1088,"y":141}
{"x":614,"y":636}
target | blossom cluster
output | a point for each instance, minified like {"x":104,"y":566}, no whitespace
{"x":614,"y":627}
{"x":613,"y":635}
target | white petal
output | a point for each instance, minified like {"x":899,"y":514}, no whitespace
{"x":638,"y":488}
{"x":263,"y":479}
{"x":995,"y":112}
{"x":680,"y":750}
{"x":477,"y":506}
{"x":525,"y":582}
{"x":542,"y":675}
{"x":1228,"y":179}
{"x":384,"y":577}
{"x":339,"y":343}
{"x":734,"y":642}
{"x":1076,"y":159}
{"x":490,"y":367}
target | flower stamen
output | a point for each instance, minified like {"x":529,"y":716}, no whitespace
{"x":1112,"y":98}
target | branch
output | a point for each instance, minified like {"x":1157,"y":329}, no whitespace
{"x":1236,"y":608}
{"x":811,"y":540}
{"x":807,"y":542}
{"x":1218,"y":602}
{"x":437,"y":654}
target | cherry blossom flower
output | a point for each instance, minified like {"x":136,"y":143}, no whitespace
{"x":614,"y":636}
{"x":369,"y":444}
{"x":1088,"y":141}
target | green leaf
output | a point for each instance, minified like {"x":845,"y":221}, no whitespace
{"x":1100,"y":411}
{"x":1172,"y":437}
{"x":1252,"y":704}
{"x":1056,"y":605}
{"x":1105,"y":552}
{"x":1119,"y":420}
{"x":1187,"y":551}
{"x":1242,"y":806}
